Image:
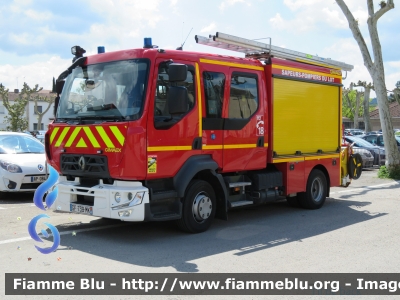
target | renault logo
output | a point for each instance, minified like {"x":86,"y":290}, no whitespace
{"x":82,"y":163}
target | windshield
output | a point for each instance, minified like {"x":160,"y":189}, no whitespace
{"x":112,"y":91}
{"x":17,"y":144}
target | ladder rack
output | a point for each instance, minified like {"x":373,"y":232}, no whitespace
{"x":256,"y":49}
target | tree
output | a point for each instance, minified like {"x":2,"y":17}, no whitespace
{"x":49,"y":100}
{"x":376,"y":70}
{"x":367,"y":91}
{"x":351,"y":104}
{"x":53,"y":90}
{"x":15,"y":119}
{"x":395,"y":94}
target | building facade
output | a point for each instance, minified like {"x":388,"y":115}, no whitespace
{"x":30,"y":111}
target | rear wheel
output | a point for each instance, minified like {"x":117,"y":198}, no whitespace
{"x":199,"y":206}
{"x":315,"y":194}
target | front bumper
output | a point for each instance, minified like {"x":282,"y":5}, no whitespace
{"x":20,"y":182}
{"x":101,"y":199}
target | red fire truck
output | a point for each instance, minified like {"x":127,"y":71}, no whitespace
{"x":152,"y":134}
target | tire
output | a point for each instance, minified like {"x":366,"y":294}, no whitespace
{"x":355,"y":166}
{"x":315,"y":194}
{"x":199,"y":205}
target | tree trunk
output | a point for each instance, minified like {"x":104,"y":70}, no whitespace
{"x":392,"y":152}
{"x":357,"y":109}
{"x":376,"y":70}
{"x":367,"y":119}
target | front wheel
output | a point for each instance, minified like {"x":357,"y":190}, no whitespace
{"x":199,"y":206}
{"x":316,"y":190}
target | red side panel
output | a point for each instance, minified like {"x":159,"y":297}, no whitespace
{"x":293,"y":176}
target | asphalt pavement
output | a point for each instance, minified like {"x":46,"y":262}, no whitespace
{"x":356,"y":231}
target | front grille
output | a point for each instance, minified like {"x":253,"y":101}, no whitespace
{"x":93,"y":166}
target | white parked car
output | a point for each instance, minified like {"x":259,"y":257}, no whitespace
{"x":22,"y":162}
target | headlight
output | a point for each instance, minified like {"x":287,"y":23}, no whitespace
{"x":379,"y":151}
{"x":10,"y":167}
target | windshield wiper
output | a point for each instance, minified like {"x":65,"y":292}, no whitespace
{"x":102,"y":107}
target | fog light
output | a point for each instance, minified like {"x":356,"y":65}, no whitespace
{"x":125,"y":213}
{"x":117,"y":197}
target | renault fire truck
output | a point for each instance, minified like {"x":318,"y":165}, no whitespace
{"x":152,"y":134}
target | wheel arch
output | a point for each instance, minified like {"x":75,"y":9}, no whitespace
{"x":327,"y":177}
{"x":203,"y":167}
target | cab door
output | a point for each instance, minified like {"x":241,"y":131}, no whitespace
{"x":172,"y":139}
{"x":213,"y":83}
{"x":245,"y":147}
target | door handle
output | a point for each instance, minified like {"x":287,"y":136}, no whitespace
{"x":260,"y":141}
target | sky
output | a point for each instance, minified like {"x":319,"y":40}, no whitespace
{"x":36,"y":36}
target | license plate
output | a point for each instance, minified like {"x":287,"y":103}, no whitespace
{"x":38,"y":178}
{"x":81,"y":209}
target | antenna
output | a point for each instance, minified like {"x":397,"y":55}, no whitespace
{"x":181,"y":47}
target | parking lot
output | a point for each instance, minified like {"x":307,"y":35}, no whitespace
{"x":355,"y":231}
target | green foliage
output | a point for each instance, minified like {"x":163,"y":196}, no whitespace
{"x":15,"y":119}
{"x":349,"y":104}
{"x":393,"y":172}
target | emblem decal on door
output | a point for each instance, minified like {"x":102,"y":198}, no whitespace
{"x":152,"y":164}
{"x":260,"y":125}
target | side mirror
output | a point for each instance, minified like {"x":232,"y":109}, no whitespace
{"x":59,"y":86}
{"x":177,"y":72}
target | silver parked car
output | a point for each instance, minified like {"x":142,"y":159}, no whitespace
{"x":367,"y":157}
{"x":376,"y":151}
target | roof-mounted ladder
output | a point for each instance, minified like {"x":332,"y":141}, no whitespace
{"x":259,"y":50}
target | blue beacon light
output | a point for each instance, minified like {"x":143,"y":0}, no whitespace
{"x":147,"y":43}
{"x":101,"y":49}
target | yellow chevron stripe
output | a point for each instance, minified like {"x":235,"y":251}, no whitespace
{"x":62,"y":136}
{"x":73,"y":136}
{"x":105,"y":137}
{"x":120,"y":137}
{"x":81,"y":144}
{"x":53,"y":134}
{"x":91,"y":137}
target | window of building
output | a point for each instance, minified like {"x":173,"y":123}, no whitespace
{"x":1,"y":109}
{"x":214,"y":84}
{"x":35,"y":126}
{"x":243,"y":100}
{"x":39,"y":109}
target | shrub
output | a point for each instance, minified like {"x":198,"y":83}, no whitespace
{"x":393,"y":173}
